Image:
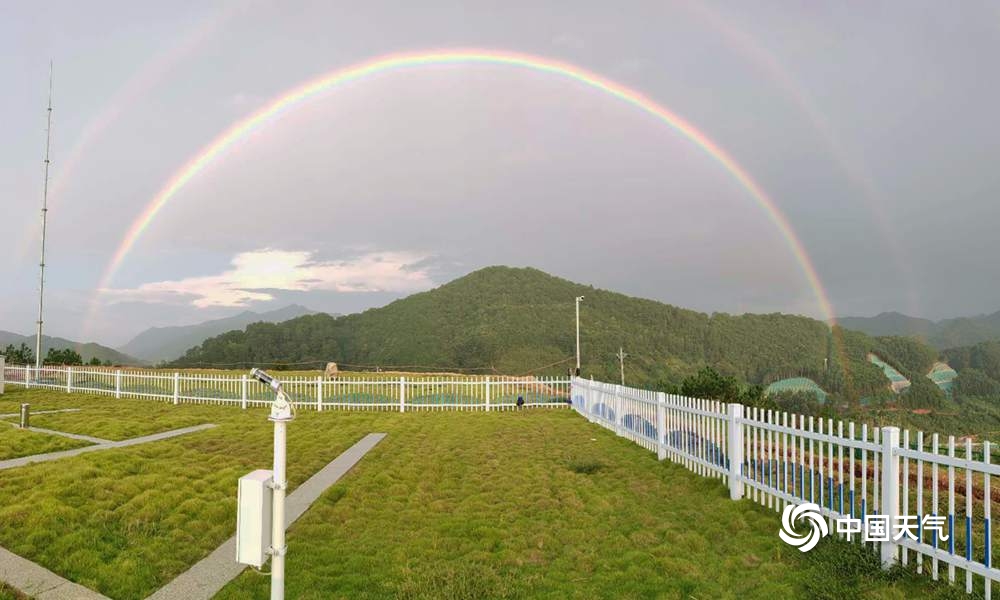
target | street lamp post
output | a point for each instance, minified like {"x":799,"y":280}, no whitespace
{"x":578,"y":300}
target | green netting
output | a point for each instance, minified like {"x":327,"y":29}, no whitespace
{"x":944,"y":376}
{"x":893,"y":375}
{"x":797,"y":384}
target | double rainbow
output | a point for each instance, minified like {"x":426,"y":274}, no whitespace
{"x":393,"y":62}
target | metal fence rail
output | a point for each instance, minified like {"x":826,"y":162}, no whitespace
{"x":776,"y":458}
{"x":363,"y":391}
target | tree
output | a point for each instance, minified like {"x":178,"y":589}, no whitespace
{"x":708,"y":383}
{"x":66,"y":356}
{"x":19,"y":356}
{"x":94,"y":362}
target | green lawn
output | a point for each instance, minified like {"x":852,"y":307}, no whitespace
{"x":15,"y":443}
{"x":450,"y":505}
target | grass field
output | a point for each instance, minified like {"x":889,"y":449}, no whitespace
{"x":15,"y":443}
{"x":450,"y":505}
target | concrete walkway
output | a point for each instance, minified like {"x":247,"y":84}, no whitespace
{"x":104,"y":445}
{"x":73,"y":436}
{"x":211,"y":574}
{"x":40,"y":412}
{"x":39,"y":582}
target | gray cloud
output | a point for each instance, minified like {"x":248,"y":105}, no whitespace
{"x":487,"y":165}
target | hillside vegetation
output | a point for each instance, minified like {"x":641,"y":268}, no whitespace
{"x":947,"y":333}
{"x":508,"y":320}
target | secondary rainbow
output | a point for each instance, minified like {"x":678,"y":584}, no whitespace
{"x":296,"y":96}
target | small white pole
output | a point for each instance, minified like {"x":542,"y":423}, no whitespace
{"x":661,"y":425}
{"x":177,"y":385}
{"x":487,"y":393}
{"x":890,"y":490}
{"x":278,"y":513}
{"x":3,"y":371}
{"x":118,"y":383}
{"x":319,"y":393}
{"x":69,"y":380}
{"x":578,"y":299}
{"x":735,"y":451}
{"x":402,"y":393}
{"x":619,"y":405}
{"x":243,"y":392}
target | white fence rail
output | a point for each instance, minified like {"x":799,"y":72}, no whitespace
{"x":776,"y":458}
{"x":369,"y":392}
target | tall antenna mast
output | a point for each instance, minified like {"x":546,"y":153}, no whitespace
{"x":45,"y":210}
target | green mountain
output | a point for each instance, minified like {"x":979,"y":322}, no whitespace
{"x":86,"y":350}
{"x":947,"y":333}
{"x":508,"y":320}
{"x":167,"y":343}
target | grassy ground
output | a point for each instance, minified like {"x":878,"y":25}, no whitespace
{"x":15,"y":443}
{"x":108,"y":418}
{"x":8,"y":593}
{"x":457,"y":505}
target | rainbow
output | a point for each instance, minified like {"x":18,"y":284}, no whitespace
{"x":393,"y":62}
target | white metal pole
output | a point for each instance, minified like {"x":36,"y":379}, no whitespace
{"x":890,"y":490}
{"x":735,"y":449}
{"x":578,"y":299}
{"x":278,"y":514}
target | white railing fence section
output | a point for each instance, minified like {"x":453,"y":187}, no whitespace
{"x":776,"y":458}
{"x":362,"y":391}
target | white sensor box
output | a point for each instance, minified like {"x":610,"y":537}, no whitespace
{"x":253,"y":518}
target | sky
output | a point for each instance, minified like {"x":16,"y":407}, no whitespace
{"x":871,"y":126}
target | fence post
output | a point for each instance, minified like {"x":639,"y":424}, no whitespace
{"x":487,"y":393}
{"x":3,"y":371}
{"x":402,"y":393}
{"x":243,"y":391}
{"x":661,"y":425}
{"x":69,"y":380}
{"x":890,"y":491}
{"x":177,"y":386}
{"x":618,"y":410}
{"x":118,"y":383}
{"x":319,"y":393}
{"x":735,"y":448}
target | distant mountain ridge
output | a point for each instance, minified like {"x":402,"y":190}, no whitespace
{"x":943,"y":334}
{"x":86,"y":350}
{"x":158,"y":344}
{"x":521,"y":320}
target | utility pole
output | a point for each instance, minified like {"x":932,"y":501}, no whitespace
{"x":45,"y":210}
{"x":578,"y":300}
{"x":621,"y":362}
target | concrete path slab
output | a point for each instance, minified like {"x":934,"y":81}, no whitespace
{"x":211,"y":574}
{"x":74,"y":436}
{"x":105,"y":445}
{"x":40,"y":583}
{"x":40,"y":412}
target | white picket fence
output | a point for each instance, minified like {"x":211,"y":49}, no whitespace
{"x":777,"y":458}
{"x":367,"y":392}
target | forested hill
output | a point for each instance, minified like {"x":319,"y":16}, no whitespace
{"x":947,"y":333}
{"x":512,"y":320}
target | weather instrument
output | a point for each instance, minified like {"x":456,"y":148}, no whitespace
{"x":260,"y":519}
